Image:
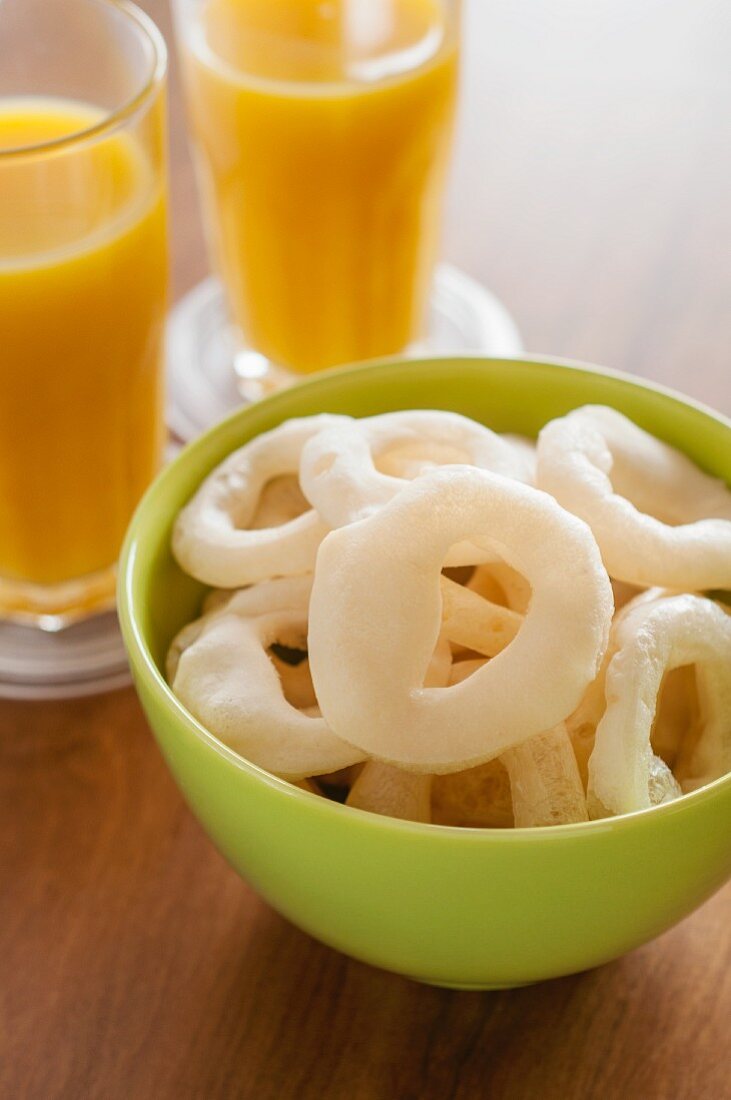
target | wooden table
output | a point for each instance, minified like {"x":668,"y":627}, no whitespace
{"x":591,"y":191}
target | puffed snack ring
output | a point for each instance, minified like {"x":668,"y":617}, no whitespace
{"x":384,"y":789}
{"x":339,"y":473}
{"x":227,"y":681}
{"x":370,"y":681}
{"x":211,"y":538}
{"x":658,"y":518}
{"x":651,"y":640}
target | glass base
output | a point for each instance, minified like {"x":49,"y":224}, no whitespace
{"x":61,"y":641}
{"x":85,"y":658}
{"x":209,"y":373}
{"x":53,"y":607}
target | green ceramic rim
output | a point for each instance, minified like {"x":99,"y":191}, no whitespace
{"x":144,"y":664}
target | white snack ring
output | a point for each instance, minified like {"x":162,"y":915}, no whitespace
{"x":478,"y":797}
{"x":370,"y":681}
{"x":497,"y":582}
{"x":473,"y":622}
{"x":339,"y":470}
{"x":582,"y":724}
{"x":653,"y":638}
{"x":658,"y":518}
{"x":383,"y":789}
{"x":525,"y":448}
{"x":211,"y":539}
{"x":545,"y":782}
{"x":225,"y":679}
{"x":281,"y":594}
{"x":662,"y":785}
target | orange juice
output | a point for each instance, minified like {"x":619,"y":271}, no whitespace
{"x":82,"y":306}
{"x":323,"y":128}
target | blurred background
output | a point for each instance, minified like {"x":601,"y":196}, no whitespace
{"x":590,"y":190}
{"x":590,"y":184}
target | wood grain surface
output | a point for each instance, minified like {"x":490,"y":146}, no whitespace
{"x":591,"y":191}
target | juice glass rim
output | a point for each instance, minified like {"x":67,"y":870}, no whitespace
{"x":154,"y":78}
{"x":306,"y":87}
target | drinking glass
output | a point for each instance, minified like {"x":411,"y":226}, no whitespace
{"x":83,"y":281}
{"x":322,"y":132}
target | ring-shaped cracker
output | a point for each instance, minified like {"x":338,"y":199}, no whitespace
{"x":545,"y":782}
{"x":370,"y":681}
{"x":651,"y":640}
{"x":227,"y":681}
{"x":211,"y":537}
{"x":658,"y":518}
{"x":339,"y":472}
{"x":385,"y":789}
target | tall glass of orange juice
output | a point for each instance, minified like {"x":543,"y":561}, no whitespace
{"x":83,"y":274}
{"x":322,"y":131}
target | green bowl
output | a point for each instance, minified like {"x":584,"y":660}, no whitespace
{"x":460,"y":907}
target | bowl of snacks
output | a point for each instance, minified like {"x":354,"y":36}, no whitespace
{"x":439,"y":653}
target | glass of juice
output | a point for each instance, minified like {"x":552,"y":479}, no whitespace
{"x":322,"y":132}
{"x":83,"y":280}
